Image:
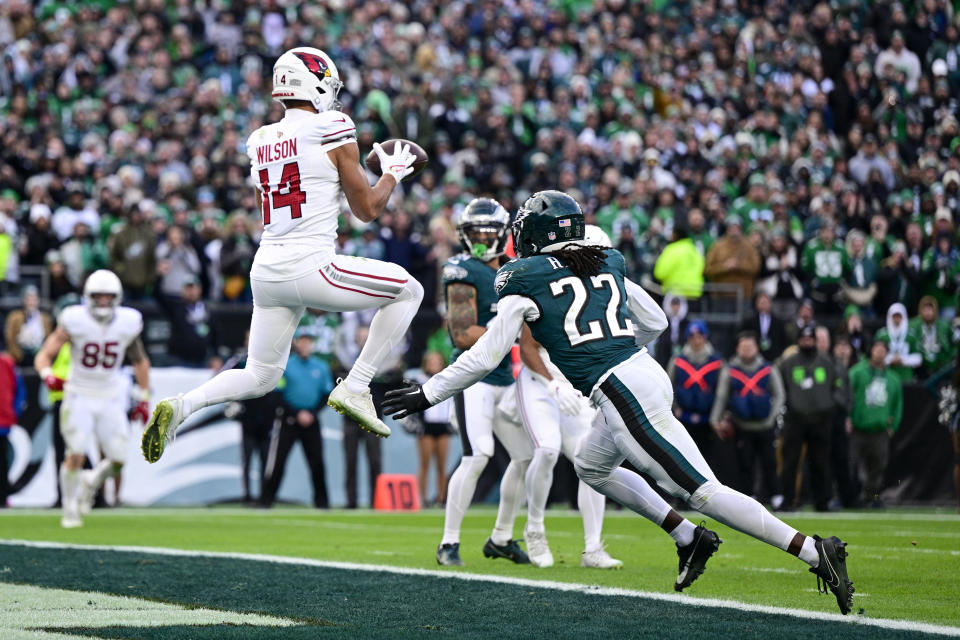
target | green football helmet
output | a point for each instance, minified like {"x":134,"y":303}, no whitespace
{"x":482,"y":229}
{"x":547,"y":221}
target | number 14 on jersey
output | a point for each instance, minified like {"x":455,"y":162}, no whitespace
{"x":286,"y":194}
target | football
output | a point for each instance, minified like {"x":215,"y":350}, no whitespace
{"x":373,"y":160}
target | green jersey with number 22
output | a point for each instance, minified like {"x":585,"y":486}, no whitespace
{"x":584,"y":324}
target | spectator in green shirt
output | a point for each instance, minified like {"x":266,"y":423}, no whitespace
{"x":822,"y":265}
{"x":933,"y":337}
{"x":859,"y":272}
{"x":877,"y":409}
{"x":941,"y":270}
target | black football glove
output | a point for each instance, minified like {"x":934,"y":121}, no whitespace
{"x":405,"y":401}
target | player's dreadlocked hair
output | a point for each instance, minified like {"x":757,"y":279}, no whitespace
{"x":583,"y":260}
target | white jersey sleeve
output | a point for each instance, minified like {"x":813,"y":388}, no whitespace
{"x":487,"y":353}
{"x":649,"y":320}
{"x":97,"y":348}
{"x":333,"y":129}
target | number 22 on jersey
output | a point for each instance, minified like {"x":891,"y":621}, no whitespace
{"x":595,"y":330}
{"x":286,"y":194}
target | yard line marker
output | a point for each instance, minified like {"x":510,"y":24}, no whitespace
{"x":902,"y":625}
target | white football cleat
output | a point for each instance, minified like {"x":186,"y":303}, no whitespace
{"x":599,"y":559}
{"x":359,"y":408}
{"x":162,"y":427}
{"x":537,"y":548}
{"x":71,"y":515}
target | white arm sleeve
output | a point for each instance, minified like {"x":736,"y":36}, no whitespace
{"x":649,"y":320}
{"x":484,"y":356}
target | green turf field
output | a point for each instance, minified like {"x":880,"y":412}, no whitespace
{"x":905,"y":565}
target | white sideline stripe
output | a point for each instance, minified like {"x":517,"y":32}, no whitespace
{"x":571,"y":587}
{"x":885,"y":516}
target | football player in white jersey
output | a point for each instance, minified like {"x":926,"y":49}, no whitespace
{"x":301,"y":166}
{"x":557,"y":417}
{"x":101,"y":333}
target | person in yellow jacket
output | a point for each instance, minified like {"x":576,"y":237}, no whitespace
{"x":680,"y":266}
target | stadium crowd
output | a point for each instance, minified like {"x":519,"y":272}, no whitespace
{"x":796,"y":163}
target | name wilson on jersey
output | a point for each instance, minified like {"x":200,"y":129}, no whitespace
{"x":278,"y":151}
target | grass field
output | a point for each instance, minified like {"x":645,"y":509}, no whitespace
{"x":365,"y":574}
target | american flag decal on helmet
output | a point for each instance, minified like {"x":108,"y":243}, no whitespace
{"x":563,"y":223}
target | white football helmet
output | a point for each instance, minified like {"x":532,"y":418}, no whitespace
{"x":595,"y":236}
{"x":102,"y":282}
{"x":305,"y":73}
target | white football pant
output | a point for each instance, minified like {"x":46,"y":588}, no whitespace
{"x":553,"y":432}
{"x":343,"y":283}
{"x":480,"y":412}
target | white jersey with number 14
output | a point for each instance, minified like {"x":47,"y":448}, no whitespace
{"x":300,"y":190}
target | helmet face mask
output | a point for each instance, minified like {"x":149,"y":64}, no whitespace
{"x":547,"y":221}
{"x":307,"y":74}
{"x":101,"y":294}
{"x":483,"y":228}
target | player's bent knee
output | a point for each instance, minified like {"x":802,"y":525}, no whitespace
{"x":550,"y":456}
{"x":704,"y":492}
{"x":589,"y":472}
{"x":265,"y":376}
{"x":412,"y":290}
{"x":475,"y":464}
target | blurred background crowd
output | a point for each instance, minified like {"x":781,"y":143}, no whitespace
{"x":765,"y":166}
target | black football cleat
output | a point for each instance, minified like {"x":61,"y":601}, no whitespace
{"x":832,"y":571}
{"x":448,"y":555}
{"x":694,"y":556}
{"x":510,"y":551}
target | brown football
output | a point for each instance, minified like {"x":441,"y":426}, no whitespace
{"x":373,"y":160}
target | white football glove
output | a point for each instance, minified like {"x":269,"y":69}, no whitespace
{"x":569,"y":400}
{"x":399,"y":164}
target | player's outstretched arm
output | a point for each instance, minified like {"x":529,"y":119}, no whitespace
{"x":649,"y":319}
{"x":472,"y":365}
{"x":47,"y":354}
{"x":365,"y":202}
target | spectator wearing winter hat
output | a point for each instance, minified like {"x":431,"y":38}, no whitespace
{"x":695,"y":373}
{"x":38,"y":238}
{"x":813,"y":392}
{"x":903,"y":352}
{"x":750,"y":396}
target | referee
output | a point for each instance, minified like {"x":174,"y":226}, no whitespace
{"x":305,"y":385}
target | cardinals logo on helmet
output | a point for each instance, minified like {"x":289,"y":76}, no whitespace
{"x":315,"y":64}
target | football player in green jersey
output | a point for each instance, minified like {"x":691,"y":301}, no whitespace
{"x":558,"y":418}
{"x":487,"y":407}
{"x":579,"y":306}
